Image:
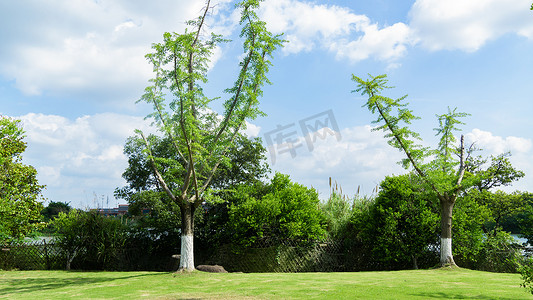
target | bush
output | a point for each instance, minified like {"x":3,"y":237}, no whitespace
{"x":399,"y":229}
{"x":479,"y":243}
{"x":337,"y":211}
{"x":288,"y":211}
{"x":89,"y":240}
{"x":527,"y":275}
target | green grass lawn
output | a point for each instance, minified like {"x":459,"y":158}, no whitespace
{"x":420,"y":284}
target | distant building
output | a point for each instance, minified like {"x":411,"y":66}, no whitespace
{"x":121,"y":210}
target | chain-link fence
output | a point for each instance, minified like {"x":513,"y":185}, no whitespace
{"x":266,"y":256}
{"x":284,"y":256}
{"x":31,"y":255}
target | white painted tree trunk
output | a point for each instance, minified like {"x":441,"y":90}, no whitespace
{"x":187,"y":253}
{"x":446,"y":256}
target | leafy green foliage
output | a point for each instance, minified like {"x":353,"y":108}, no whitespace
{"x":95,"y":240}
{"x":20,"y":192}
{"x":247,"y":164}
{"x":527,"y":269}
{"x":214,"y":226}
{"x":500,"y":253}
{"x":525,"y":220}
{"x":480,"y":243}
{"x":469,"y":215}
{"x":392,"y":114}
{"x":500,"y":171}
{"x":288,"y":211}
{"x":53,"y":209}
{"x":400,"y":225}
{"x":446,"y":150}
{"x":338,"y":211}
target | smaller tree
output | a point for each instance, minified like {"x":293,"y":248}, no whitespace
{"x":20,"y":192}
{"x":288,"y":211}
{"x":401,"y":225}
{"x":53,"y":209}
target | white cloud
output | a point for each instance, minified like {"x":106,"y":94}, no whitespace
{"x":79,"y":157}
{"x":388,"y":43}
{"x":521,"y":152}
{"x":468,"y":25}
{"x":308,"y":26}
{"x":86,"y":49}
{"x":497,"y":144}
{"x":360,"y":158}
{"x":252,"y":130}
{"x":124,"y":26}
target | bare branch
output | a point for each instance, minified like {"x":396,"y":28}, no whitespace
{"x":462,"y":165}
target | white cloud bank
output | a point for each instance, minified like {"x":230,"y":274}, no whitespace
{"x":86,"y":49}
{"x":468,"y":24}
{"x":521,"y":150}
{"x":360,"y":158}
{"x":433,"y":24}
{"x":95,"y":49}
{"x":76,"y":159}
{"x":348,"y":35}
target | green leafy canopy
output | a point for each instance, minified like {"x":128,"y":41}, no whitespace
{"x":20,"y":192}
{"x":199,"y":136}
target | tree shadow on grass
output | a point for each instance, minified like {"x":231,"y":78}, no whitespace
{"x":28,"y":285}
{"x":452,"y":295}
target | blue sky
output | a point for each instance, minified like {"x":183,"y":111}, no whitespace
{"x":73,"y":70}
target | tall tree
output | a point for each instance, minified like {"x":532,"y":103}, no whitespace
{"x":248,"y":166}
{"x":444,"y":174}
{"x":20,"y":191}
{"x":199,"y":138}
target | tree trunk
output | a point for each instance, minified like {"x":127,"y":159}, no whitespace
{"x":446,"y":207}
{"x":415,"y":262}
{"x":187,"y":237}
